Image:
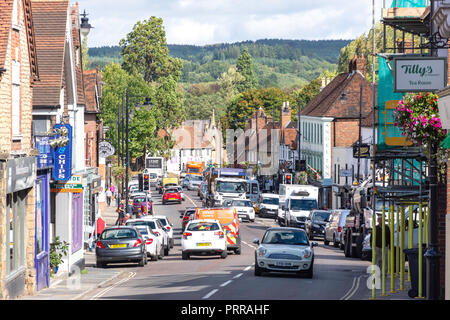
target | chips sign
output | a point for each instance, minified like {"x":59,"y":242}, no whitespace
{"x":419,"y":74}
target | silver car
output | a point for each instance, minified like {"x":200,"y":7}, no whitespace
{"x":333,"y":229}
{"x":285,"y":250}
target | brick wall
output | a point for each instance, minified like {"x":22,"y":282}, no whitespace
{"x":346,"y":132}
{"x":90,"y":129}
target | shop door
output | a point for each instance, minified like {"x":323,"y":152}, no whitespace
{"x":42,"y":245}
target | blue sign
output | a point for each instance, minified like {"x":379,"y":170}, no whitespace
{"x":45,"y":157}
{"x":62,"y":170}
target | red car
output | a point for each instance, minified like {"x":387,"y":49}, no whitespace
{"x":171,"y":195}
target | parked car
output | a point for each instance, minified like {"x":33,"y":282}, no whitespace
{"x":168,"y":226}
{"x":157,"y":228}
{"x":244,"y":209}
{"x":285,"y":250}
{"x":315,"y":223}
{"x":153,"y":246}
{"x":333,"y":229}
{"x":171,"y":195}
{"x":203,"y":237}
{"x":142,"y":204}
{"x":180,"y":190}
{"x":120,"y":244}
{"x":186,"y":216}
{"x":269,"y":205}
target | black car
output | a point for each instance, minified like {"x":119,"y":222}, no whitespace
{"x":120,"y":244}
{"x":315,"y":223}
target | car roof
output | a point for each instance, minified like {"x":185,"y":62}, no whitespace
{"x":205,"y":220}
{"x":270,"y":195}
{"x":160,"y":217}
{"x":285,"y":229}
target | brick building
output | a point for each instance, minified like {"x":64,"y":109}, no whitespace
{"x":330,"y":128}
{"x":18,"y":73}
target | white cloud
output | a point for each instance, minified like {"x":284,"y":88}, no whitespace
{"x":216,"y":21}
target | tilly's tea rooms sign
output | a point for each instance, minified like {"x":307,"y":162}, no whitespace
{"x":419,"y":74}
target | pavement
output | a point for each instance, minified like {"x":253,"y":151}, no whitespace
{"x":75,"y":287}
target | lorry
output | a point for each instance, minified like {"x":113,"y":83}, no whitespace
{"x":295,"y":204}
{"x":154,"y":165}
{"x":225,"y":183}
{"x":193,"y":167}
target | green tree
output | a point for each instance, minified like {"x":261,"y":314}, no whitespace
{"x":144,"y":51}
{"x":229,"y":82}
{"x":245,"y":67}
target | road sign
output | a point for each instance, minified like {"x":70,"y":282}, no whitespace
{"x":105,"y":149}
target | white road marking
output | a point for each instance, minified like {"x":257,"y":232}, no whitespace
{"x":226,"y":283}
{"x":353,"y":289}
{"x":192,"y":201}
{"x":103,"y":292}
{"x":238,"y":276}
{"x":210,"y":294}
{"x":248,"y":268}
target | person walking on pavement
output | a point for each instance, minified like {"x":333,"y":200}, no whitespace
{"x":108,"y":197}
{"x":121,"y":214}
{"x":379,"y":245}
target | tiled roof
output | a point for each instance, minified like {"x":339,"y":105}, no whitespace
{"x":76,"y":40}
{"x":50,"y":20}
{"x":5,"y":27}
{"x":327,"y":103}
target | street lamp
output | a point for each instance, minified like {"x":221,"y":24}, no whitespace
{"x":343,"y":99}
{"x":147,"y":104}
{"x":85,"y":27}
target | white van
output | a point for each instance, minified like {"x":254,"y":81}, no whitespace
{"x":268,"y":205}
{"x":252,"y":191}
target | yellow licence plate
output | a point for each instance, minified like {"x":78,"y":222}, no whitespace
{"x":207,"y":244}
{"x":115,"y":246}
{"x":172,"y":199}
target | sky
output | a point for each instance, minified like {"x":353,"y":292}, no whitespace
{"x":202,"y":22}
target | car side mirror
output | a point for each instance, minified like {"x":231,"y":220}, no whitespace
{"x":256,"y":241}
{"x":314,"y":244}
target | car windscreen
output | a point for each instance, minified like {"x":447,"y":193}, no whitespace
{"x":151,"y":224}
{"x":290,"y":237}
{"x":140,"y":199}
{"x":203,"y":226}
{"x":171,"y":191}
{"x":321,"y":216}
{"x":230,"y":187}
{"x":196,"y":178}
{"x":241,"y":203}
{"x":303,"y":204}
{"x":274,"y":201}
{"x":189,"y":212}
{"x":163,"y":221}
{"x":113,"y":234}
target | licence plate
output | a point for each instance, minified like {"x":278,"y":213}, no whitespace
{"x":115,"y":246}
{"x":205,"y":244}
{"x":283,"y":264}
{"x":172,"y":199}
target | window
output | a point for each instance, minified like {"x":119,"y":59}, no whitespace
{"x":15,"y":112}
{"x":15,"y":237}
{"x":15,"y":14}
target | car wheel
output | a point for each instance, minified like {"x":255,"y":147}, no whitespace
{"x":184,"y":255}
{"x":142,"y":262}
{"x":252,"y":220}
{"x":325,"y":241}
{"x":166,"y":250}
{"x":100,"y":264}
{"x":335,"y":243}
{"x":237,"y":250}
{"x":224,"y":254}
{"x":161,"y":253}
{"x":258,"y":270}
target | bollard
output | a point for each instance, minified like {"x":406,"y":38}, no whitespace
{"x":402,"y":247}
{"x":374,"y":254}
{"x":383,"y":251}
{"x":397,"y":251}
{"x":410,"y":235}
{"x":392,"y":259}
{"x":420,"y":251}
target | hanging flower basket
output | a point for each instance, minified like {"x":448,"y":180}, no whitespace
{"x":417,"y":115}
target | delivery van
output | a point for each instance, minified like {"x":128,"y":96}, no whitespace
{"x":229,"y":220}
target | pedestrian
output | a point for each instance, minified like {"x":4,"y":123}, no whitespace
{"x":121,"y":214}
{"x":379,"y":245}
{"x":108,"y":197}
{"x":130,"y":207}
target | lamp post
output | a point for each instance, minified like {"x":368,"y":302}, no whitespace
{"x":147,"y":104}
{"x":85,"y":27}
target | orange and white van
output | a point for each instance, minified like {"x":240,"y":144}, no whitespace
{"x":229,"y":220}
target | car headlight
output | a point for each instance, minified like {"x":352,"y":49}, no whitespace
{"x":307,"y":254}
{"x":262,"y":252}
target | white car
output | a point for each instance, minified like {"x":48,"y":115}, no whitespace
{"x":157,"y":228}
{"x":285,"y":250}
{"x":153,"y":246}
{"x":268,"y":207}
{"x":244,"y":209}
{"x":203,"y":237}
{"x":180,"y":189}
{"x":169,"y":227}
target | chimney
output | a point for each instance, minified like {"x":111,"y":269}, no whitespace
{"x":357,"y":64}
{"x":285,"y":116}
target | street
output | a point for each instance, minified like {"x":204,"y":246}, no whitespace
{"x":211,"y":278}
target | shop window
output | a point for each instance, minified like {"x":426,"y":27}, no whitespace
{"x":15,"y":235}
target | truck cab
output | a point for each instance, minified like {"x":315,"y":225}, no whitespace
{"x":297,"y":209}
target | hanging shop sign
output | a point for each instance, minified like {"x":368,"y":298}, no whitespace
{"x":420,"y":74}
{"x":63,"y":152}
{"x":45,"y":157}
{"x":73,"y":185}
{"x":105,"y":149}
{"x":364,"y":151}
